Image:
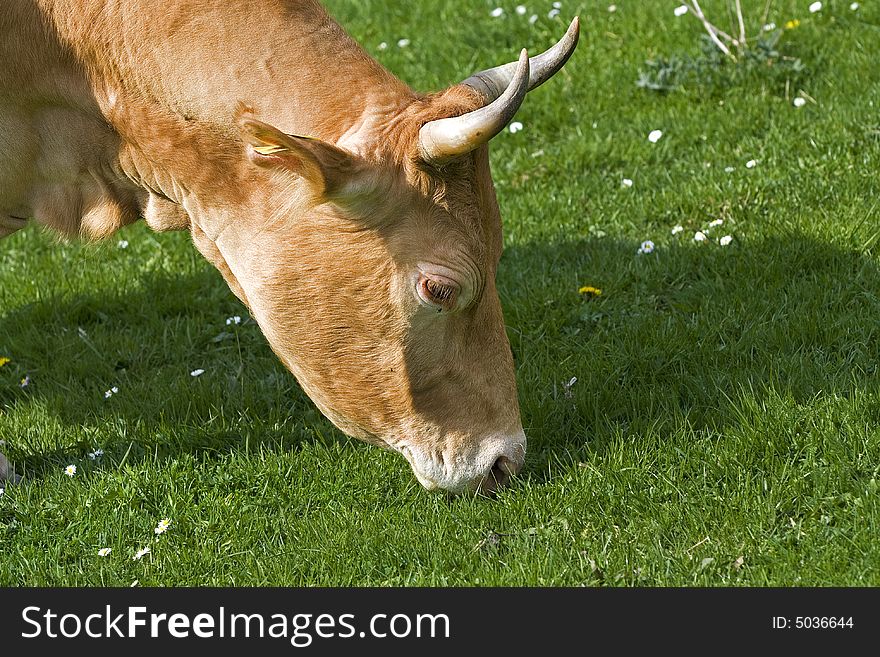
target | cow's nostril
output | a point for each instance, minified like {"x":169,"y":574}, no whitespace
{"x":500,"y":473}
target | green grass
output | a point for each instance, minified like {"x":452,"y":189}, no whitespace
{"x":725,"y":425}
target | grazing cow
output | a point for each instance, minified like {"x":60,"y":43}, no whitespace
{"x":355,"y":218}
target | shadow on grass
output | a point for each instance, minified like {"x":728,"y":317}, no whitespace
{"x":694,"y":336}
{"x":146,"y":343}
{"x":685,"y":334}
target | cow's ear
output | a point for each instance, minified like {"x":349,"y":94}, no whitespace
{"x":329,"y":170}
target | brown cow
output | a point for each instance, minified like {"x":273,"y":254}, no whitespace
{"x":355,"y":218}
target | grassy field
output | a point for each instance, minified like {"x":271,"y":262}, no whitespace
{"x":724,"y":428}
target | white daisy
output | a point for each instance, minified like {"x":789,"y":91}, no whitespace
{"x":162,"y":527}
{"x":727,"y":239}
{"x":533,"y":19}
{"x":495,"y":13}
{"x":654,"y":136}
{"x":769,"y":27}
{"x":677,"y":229}
{"x":553,"y":13}
{"x":70,"y":470}
{"x":123,"y":244}
{"x":612,"y":9}
{"x":103,"y":552}
{"x":382,"y":46}
{"x":141,"y":554}
{"x":751,"y":164}
{"x":403,"y":43}
{"x":521,"y":10}
{"x":515,"y":127}
{"x":816,"y":6}
{"x":626,"y":182}
{"x":681,"y":10}
{"x":854,"y":6}
{"x":699,"y":236}
{"x":646,"y":247}
{"x":715,"y":222}
{"x":196,"y":373}
{"x":799,"y":101}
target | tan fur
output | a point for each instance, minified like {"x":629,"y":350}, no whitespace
{"x":177,"y":111}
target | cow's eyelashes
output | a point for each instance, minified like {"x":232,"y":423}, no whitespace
{"x":440,"y":293}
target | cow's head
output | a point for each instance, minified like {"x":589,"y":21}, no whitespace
{"x":373,"y":275}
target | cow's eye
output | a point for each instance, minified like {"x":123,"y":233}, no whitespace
{"x":441,"y":293}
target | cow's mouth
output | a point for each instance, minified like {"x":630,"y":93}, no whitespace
{"x":489,"y":469}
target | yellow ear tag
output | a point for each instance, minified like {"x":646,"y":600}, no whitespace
{"x":269,"y":149}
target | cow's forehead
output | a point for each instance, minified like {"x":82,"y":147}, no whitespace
{"x":460,"y":204}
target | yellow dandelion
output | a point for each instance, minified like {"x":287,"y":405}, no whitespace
{"x":4,"y":360}
{"x":790,"y":25}
{"x":590,"y":291}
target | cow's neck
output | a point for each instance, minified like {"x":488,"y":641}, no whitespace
{"x":169,"y":76}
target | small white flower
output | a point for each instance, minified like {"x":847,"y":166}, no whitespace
{"x":816,"y":6}
{"x":646,"y":247}
{"x":403,"y":43}
{"x":715,"y":222}
{"x":162,"y":527}
{"x":515,"y":127}
{"x":727,"y":239}
{"x":123,"y":244}
{"x":769,"y":27}
{"x":70,"y":470}
{"x":141,"y":554}
{"x":103,"y":552}
{"x":854,"y":6}
{"x":196,"y":373}
{"x":626,"y":182}
{"x":677,"y":229}
{"x":2,"y":491}
{"x":98,"y":453}
{"x":799,"y":102}
{"x":751,"y":164}
{"x":612,"y":9}
{"x":699,"y":236}
{"x":521,"y":10}
{"x":383,"y":46}
{"x":654,"y":136}
{"x":729,"y":169}
{"x":533,"y":19}
{"x":553,"y":13}
{"x":233,"y":320}
{"x":681,"y":10}
{"x":495,"y":13}
{"x":557,"y":5}
{"x":109,"y":393}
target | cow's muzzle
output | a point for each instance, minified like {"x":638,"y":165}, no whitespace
{"x":483,"y":468}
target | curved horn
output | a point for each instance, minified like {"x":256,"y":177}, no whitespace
{"x":492,"y":82}
{"x":444,"y":139}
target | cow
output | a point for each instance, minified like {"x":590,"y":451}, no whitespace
{"x":355,"y":218}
